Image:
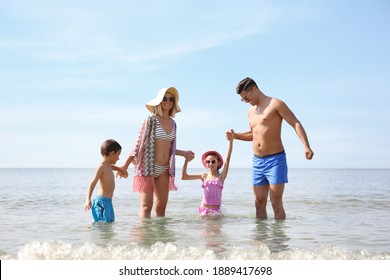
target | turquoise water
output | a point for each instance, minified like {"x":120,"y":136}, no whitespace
{"x":331,"y":214}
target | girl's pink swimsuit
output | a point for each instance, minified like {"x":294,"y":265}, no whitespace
{"x":212,"y":195}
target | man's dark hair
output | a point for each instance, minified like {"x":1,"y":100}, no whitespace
{"x":245,"y":84}
{"x":109,"y":146}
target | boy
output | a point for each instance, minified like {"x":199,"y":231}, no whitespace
{"x":102,"y":209}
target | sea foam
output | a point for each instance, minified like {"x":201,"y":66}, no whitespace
{"x":58,"y":250}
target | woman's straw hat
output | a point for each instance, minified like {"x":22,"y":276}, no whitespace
{"x":160,"y":95}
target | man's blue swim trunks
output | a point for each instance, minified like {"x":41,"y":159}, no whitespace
{"x":269,"y":170}
{"x":102,"y":209}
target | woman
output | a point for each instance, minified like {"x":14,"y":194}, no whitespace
{"x":154,"y":153}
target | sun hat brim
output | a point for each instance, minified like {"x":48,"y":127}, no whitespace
{"x":160,"y":95}
{"x":204,"y":156}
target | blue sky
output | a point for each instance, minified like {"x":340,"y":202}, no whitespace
{"x":74,"y":73}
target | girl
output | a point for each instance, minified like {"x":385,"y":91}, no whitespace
{"x":212,"y":181}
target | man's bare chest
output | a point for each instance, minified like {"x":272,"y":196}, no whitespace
{"x":262,"y":118}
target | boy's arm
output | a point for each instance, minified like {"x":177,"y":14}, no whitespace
{"x":227,"y":160}
{"x":121,"y":172}
{"x":91,"y":187}
{"x":185,"y":176}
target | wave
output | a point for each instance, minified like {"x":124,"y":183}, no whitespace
{"x":59,"y":250}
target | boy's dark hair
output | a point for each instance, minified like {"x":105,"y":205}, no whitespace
{"x":109,"y":146}
{"x":245,"y":84}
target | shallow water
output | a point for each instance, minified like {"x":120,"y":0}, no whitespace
{"x":331,"y":214}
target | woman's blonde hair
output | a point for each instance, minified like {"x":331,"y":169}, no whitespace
{"x":158,"y":110}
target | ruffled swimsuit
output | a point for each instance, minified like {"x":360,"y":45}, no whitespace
{"x":212,"y":195}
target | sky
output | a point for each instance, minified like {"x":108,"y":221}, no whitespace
{"x":74,"y":73}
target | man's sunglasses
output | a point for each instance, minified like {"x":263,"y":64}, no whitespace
{"x":245,"y":99}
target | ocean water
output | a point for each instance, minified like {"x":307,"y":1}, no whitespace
{"x":332,"y":214}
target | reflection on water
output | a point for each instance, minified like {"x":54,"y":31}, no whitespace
{"x":272,"y":233}
{"x":102,"y":233}
{"x":148,"y":231}
{"x":172,"y":230}
{"x":214,"y":238}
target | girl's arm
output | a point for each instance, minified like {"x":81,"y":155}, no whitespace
{"x":186,"y":176}
{"x":227,"y":160}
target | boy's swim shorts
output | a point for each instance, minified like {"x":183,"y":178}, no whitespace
{"x":102,"y":209}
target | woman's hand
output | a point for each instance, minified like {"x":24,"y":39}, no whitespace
{"x":189,"y":155}
{"x":121,"y":172}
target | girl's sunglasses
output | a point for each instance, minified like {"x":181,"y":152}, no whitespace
{"x":211,"y":161}
{"x":170,"y":99}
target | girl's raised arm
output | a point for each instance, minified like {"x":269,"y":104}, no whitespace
{"x":186,"y":176}
{"x":227,"y":161}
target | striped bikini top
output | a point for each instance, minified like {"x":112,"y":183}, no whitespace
{"x":162,"y":135}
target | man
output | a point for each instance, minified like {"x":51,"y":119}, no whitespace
{"x":269,"y":173}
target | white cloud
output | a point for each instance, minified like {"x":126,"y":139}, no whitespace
{"x":76,"y":31}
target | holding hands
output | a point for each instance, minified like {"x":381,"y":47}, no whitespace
{"x":189,"y":155}
{"x":121,"y":172}
{"x":230,"y":135}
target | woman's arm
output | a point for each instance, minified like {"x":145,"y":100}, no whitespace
{"x":189,"y":155}
{"x":136,"y":147}
{"x":129,"y":160}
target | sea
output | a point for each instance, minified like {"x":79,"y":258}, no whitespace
{"x":332,"y":214}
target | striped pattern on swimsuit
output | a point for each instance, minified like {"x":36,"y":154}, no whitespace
{"x":161,"y":133}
